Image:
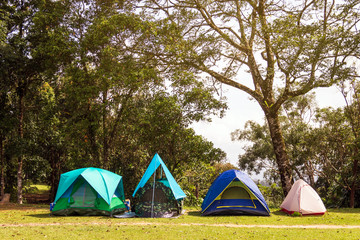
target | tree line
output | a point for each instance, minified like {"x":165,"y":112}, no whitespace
{"x":109,"y":83}
{"x":323,"y":145}
{"x":78,"y":90}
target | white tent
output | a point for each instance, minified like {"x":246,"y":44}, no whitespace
{"x":302,"y":198}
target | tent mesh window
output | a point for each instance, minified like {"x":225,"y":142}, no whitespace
{"x":235,"y":193}
{"x":235,"y":190}
{"x":85,"y":196}
{"x":159,"y":196}
{"x":165,"y":205}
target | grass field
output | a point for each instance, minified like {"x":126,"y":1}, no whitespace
{"x":34,"y":222}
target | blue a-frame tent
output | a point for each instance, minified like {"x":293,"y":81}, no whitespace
{"x":234,"y":193}
{"x":154,"y":164}
{"x":166,"y":194}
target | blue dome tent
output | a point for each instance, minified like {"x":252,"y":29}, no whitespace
{"x":234,"y":193}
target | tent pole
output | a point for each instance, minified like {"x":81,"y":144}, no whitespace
{"x":153,"y":195}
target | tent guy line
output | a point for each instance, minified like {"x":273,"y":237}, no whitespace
{"x":185,"y":224}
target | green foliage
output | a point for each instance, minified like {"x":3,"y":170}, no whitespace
{"x":195,"y":182}
{"x":297,"y":45}
{"x":93,"y":95}
{"x":259,"y":154}
{"x":320,"y":143}
{"x":273,"y":195}
{"x":191,"y":200}
{"x":296,"y":214}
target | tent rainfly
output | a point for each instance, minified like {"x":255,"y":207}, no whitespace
{"x":89,"y":191}
{"x":234,"y":193}
{"x":158,"y":197}
{"x":303,"y":199}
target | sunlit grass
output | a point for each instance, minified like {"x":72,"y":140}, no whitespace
{"x":38,"y":189}
{"x":34,"y":222}
{"x":42,"y":188}
{"x":170,"y":232}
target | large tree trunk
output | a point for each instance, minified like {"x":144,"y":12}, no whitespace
{"x":310,"y":172}
{"x":20,"y":158}
{"x":282,"y":158}
{"x":197,"y":190}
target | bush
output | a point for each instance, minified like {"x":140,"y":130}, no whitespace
{"x":273,"y":195}
{"x":191,"y":200}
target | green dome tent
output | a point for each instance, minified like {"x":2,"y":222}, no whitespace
{"x":89,"y":191}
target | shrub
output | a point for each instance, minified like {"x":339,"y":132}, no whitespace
{"x":273,"y":195}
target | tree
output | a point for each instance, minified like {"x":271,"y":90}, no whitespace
{"x":28,"y":51}
{"x":288,"y":48}
{"x":91,"y":95}
{"x":352,"y":113}
{"x":158,"y":122}
{"x":297,"y":119}
{"x":320,"y":142}
{"x":6,"y":123}
{"x":333,"y":155}
{"x":6,"y":118}
{"x":46,"y":136}
{"x":20,"y":65}
{"x":111,"y":95}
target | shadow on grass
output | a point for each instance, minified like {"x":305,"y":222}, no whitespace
{"x":344,"y":210}
{"x":41,"y":215}
{"x":198,"y":214}
{"x":49,"y":216}
{"x":279,"y":213}
{"x":194,"y":213}
{"x":15,"y":206}
{"x":276,"y":213}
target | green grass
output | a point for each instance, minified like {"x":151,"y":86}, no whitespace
{"x":170,"y":232}
{"x":42,"y":188}
{"x":38,"y":189}
{"x":34,"y":222}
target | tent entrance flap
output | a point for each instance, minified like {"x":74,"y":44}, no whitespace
{"x":84,"y":196}
{"x":236,"y":196}
{"x":237,"y":190}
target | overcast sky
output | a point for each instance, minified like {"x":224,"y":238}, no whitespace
{"x":242,"y":109}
